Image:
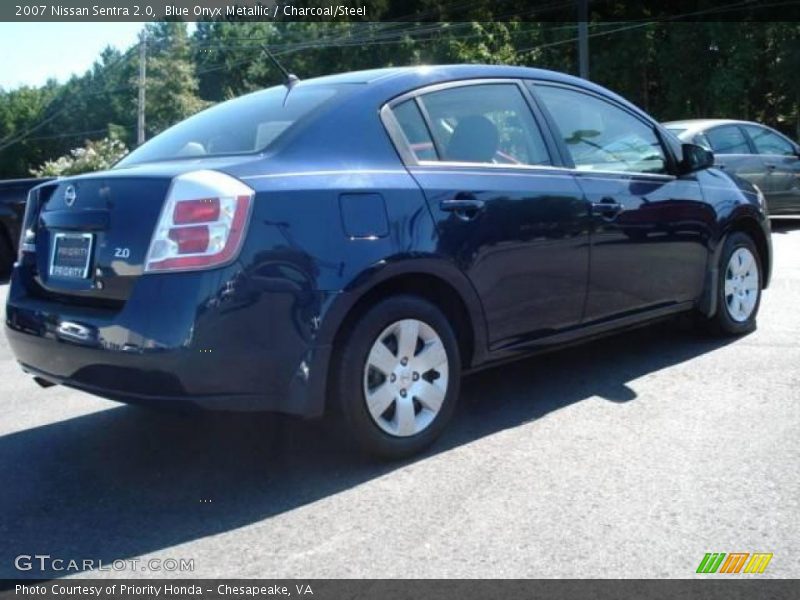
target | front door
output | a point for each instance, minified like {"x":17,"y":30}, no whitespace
{"x":649,"y":227}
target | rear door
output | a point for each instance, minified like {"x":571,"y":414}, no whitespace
{"x":780,"y":157}
{"x":649,"y":227}
{"x":511,"y":218}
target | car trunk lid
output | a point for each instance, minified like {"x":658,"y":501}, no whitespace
{"x":92,"y":235}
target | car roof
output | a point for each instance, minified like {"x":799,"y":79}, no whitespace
{"x":698,"y":125}
{"x":412,"y":76}
{"x":366,"y":76}
{"x":392,"y":81}
{"x":441,"y":71}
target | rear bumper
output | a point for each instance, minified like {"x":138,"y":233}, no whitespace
{"x":202,"y":339}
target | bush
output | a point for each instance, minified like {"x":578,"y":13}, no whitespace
{"x":94,"y":156}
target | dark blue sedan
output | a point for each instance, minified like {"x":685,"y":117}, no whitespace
{"x":357,"y":242}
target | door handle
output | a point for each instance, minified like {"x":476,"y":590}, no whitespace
{"x":608,"y":208}
{"x":770,"y":166}
{"x":465,"y":209}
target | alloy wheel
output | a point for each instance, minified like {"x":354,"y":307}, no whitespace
{"x":741,"y":284}
{"x":406,"y":377}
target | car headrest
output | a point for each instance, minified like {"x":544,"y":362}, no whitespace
{"x":475,"y":139}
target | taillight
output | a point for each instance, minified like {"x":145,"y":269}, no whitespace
{"x":196,"y":211}
{"x":27,"y":237}
{"x":202,"y":224}
{"x":190,"y":240}
{"x":27,"y":243}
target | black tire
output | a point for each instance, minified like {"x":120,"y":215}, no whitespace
{"x":723,"y":322}
{"x":349,"y":376}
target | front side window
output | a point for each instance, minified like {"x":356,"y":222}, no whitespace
{"x":601,"y":136}
{"x":727,"y":139}
{"x":768,"y":142}
{"x":486,"y":123}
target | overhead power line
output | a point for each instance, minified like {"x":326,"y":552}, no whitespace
{"x":22,"y":136}
{"x":70,"y":134}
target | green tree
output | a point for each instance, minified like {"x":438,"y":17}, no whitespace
{"x":25,"y":114}
{"x":172,"y":85}
{"x":672,"y":69}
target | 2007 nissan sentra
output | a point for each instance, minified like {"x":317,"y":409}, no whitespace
{"x":357,"y":242}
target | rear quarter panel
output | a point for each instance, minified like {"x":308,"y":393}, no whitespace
{"x":297,"y":237}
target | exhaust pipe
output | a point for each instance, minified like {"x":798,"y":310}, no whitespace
{"x":44,"y":382}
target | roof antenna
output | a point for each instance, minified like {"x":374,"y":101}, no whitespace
{"x":290,"y":79}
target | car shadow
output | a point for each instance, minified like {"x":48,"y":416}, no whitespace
{"x":127,"y":481}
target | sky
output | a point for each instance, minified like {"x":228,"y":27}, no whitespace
{"x":33,"y":52}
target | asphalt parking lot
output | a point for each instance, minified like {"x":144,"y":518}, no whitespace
{"x":629,"y":457}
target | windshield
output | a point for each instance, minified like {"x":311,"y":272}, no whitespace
{"x":245,"y":125}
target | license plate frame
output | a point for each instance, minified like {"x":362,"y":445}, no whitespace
{"x":58,"y":270}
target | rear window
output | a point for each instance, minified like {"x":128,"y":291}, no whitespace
{"x":245,"y":125}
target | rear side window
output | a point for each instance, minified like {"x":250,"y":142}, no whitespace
{"x":244,"y":125}
{"x":727,"y":139}
{"x":601,"y":136}
{"x":768,"y":142}
{"x":415,"y":130}
{"x":490,"y":124}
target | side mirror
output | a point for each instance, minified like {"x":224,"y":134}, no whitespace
{"x":695,"y":158}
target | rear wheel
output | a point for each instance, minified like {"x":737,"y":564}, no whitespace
{"x":739,"y":286}
{"x":398,"y":376}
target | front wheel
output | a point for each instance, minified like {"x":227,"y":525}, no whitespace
{"x":739,"y":286}
{"x":398,"y":376}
